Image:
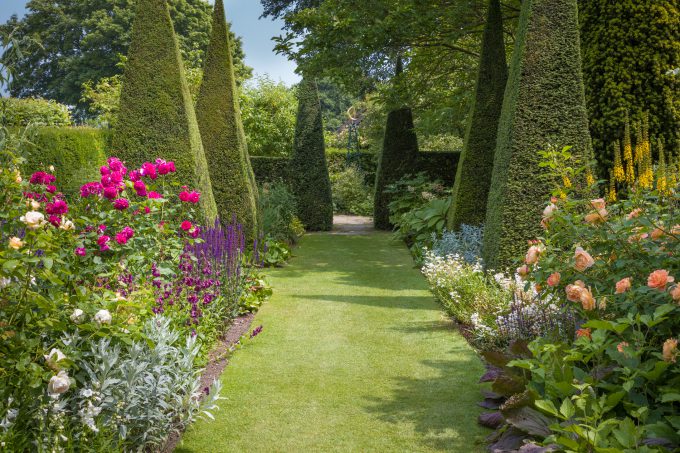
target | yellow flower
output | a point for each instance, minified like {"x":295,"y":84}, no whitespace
{"x":566,"y":181}
{"x":670,"y":350}
{"x":16,"y":243}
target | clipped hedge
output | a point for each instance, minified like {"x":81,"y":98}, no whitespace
{"x":311,"y":184}
{"x":439,"y":165}
{"x":473,"y":179}
{"x":15,"y":112}
{"x":269,"y":169}
{"x":398,"y":158}
{"x":76,"y":153}
{"x":219,"y":120}
{"x":544,"y":104}
{"x":156,"y":116}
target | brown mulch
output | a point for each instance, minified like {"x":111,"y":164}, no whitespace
{"x":218,"y":359}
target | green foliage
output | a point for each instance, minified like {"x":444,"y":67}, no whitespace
{"x":275,"y":253}
{"x":34,"y":112}
{"x":219,"y":119}
{"x":278,"y":208}
{"x":257,"y":293}
{"x":473,"y":177}
{"x":351,"y":193}
{"x":268,"y":112}
{"x":311,"y":184}
{"x":271,"y":169}
{"x":81,"y":41}
{"x":75,"y":153}
{"x":544,"y":104}
{"x":398,"y":158}
{"x":156,"y":110}
{"x":625,"y":75}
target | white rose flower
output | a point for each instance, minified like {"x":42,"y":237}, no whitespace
{"x":16,"y":243}
{"x":58,"y":384}
{"x":52,"y":168}
{"x":35,"y":205}
{"x":103,"y":317}
{"x":53,"y":358}
{"x":78,"y":316}
{"x":4,"y":282}
{"x":549,"y":210}
{"x":66,"y":225}
{"x":17,"y":177}
{"x":33,"y":220}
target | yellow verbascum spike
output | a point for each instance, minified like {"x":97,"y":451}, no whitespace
{"x":618,"y":175}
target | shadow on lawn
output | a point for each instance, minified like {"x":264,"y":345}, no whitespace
{"x":402,"y":302}
{"x":442,"y":409}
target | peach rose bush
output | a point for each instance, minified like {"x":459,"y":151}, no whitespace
{"x":614,"y":385}
{"x":109,"y":301}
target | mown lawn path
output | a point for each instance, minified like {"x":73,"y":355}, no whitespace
{"x":355,"y":356}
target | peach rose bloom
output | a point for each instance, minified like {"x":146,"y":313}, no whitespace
{"x":675,"y":293}
{"x":598,"y":203}
{"x":574,"y":291}
{"x":597,"y":217}
{"x":554,"y":279}
{"x":634,"y":214}
{"x":16,"y":243}
{"x":620,"y":347}
{"x":658,"y":233}
{"x":523,"y":271}
{"x":623,"y":285}
{"x":584,"y":333}
{"x":675,"y":229}
{"x":659,"y":279}
{"x":670,"y":349}
{"x":587,"y":300}
{"x":583,"y":260}
{"x":532,"y":255}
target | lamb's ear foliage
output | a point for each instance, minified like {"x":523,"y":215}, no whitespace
{"x":219,"y":120}
{"x":544,"y":105}
{"x":157,"y":117}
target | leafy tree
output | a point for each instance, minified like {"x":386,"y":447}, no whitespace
{"x":311,"y":183}
{"x":82,"y":40}
{"x":219,"y":119}
{"x":473,"y":176}
{"x":544,"y":105}
{"x":335,"y":101}
{"x":268,"y":110}
{"x":157,"y":117}
{"x":629,"y":49}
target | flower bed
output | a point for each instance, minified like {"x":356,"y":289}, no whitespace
{"x":109,"y":305}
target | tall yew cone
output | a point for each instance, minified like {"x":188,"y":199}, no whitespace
{"x":397,"y":159}
{"x":219,"y":120}
{"x":157,"y":117}
{"x":473,"y":179}
{"x":310,"y":180}
{"x":544,"y":105}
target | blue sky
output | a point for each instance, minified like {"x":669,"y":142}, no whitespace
{"x":244,"y":15}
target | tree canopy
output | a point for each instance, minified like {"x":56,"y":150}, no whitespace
{"x":83,"y":40}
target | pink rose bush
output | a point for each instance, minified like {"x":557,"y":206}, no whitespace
{"x":91,"y":271}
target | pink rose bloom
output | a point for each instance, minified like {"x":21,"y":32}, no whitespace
{"x":81,"y":251}
{"x":149,"y":170}
{"x":57,"y":207}
{"x":194,"y":197}
{"x":128,"y":232}
{"x":623,"y":285}
{"x":107,"y":181}
{"x":140,"y":188}
{"x":116,"y":177}
{"x":554,"y":279}
{"x":55,"y":220}
{"x":194,"y":233}
{"x":171,"y":167}
{"x":101,"y":228}
{"x":583,"y":260}
{"x":121,"y":204}
{"x":523,"y":271}
{"x":110,"y":193}
{"x":103,"y":242}
{"x":532,"y":255}
{"x":134,"y":176}
{"x":163,"y":168}
{"x":154,"y":195}
{"x":91,"y":188}
{"x":50,"y":188}
{"x":659,"y":279}
{"x":104,"y":170}
{"x":147,"y":210}
{"x":115,"y":164}
{"x":184,"y":196}
{"x":121,"y":238}
{"x":186,"y":225}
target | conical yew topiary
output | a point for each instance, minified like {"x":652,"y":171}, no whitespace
{"x":219,"y":120}
{"x":157,"y":117}
{"x":544,"y":105}
{"x":310,"y":181}
{"x":473,"y":178}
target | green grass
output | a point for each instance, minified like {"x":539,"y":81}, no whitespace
{"x":355,"y":356}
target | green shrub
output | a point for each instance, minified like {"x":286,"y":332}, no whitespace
{"x":219,"y":120}
{"x":271,"y":169}
{"x":156,"y":110}
{"x":351,"y":194}
{"x":544,"y":104}
{"x":16,"y":112}
{"x":278,"y":208}
{"x":310,"y":181}
{"x":473,"y":178}
{"x":75,"y":153}
{"x":629,"y":49}
{"x":398,"y":158}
